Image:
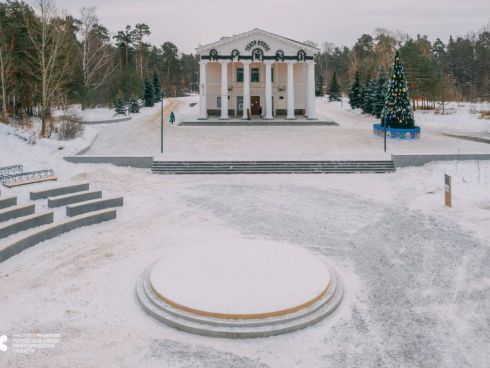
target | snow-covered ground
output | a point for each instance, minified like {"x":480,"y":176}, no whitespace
{"x":352,"y":139}
{"x":417,"y":281}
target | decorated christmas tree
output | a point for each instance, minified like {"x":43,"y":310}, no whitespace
{"x":149,"y":95}
{"x":333,"y":89}
{"x":355,"y":92}
{"x":397,"y":112}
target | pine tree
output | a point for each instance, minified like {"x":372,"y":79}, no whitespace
{"x":149,"y":95}
{"x":333,"y":89}
{"x":156,"y":87}
{"x":380,"y":95}
{"x":367,"y":91}
{"x":355,"y":92}
{"x":134,"y":106}
{"x":120,"y":107}
{"x":397,"y":112}
{"x":319,"y":86}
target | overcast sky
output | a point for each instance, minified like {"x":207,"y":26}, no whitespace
{"x":189,"y":23}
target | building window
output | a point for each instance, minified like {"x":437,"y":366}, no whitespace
{"x":239,"y":103}
{"x":218,"y":102}
{"x":239,"y":75}
{"x":255,"y":75}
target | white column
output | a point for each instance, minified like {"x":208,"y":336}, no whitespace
{"x":224,"y":90}
{"x":290,"y":115}
{"x":268,"y":89}
{"x":246,"y":88}
{"x":203,"y":111}
{"x":310,"y":91}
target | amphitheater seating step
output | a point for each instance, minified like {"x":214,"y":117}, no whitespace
{"x":272,"y":167}
{"x":40,"y":234}
{"x":7,"y":201}
{"x":57,"y":191}
{"x":25,"y":223}
{"x":93,"y":205}
{"x":64,"y":200}
{"x":16,"y":211}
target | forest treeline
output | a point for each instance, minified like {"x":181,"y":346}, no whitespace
{"x":50,"y":58}
{"x":458,"y":69}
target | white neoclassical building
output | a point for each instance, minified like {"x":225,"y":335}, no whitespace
{"x":257,"y":71}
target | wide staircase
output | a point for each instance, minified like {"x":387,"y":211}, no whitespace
{"x":272,"y":167}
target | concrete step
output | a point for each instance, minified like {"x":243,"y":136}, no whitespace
{"x":25,"y":223}
{"x":73,"y":198}
{"x":7,"y":201}
{"x":57,"y":191}
{"x":16,"y":211}
{"x":272,"y":167}
{"x":240,"y":328}
{"x":93,"y":205}
{"x":40,"y":234}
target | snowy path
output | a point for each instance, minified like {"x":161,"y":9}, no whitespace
{"x":353,"y":139}
{"x":416,"y":275}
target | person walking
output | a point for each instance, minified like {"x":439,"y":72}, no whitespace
{"x":260,"y":112}
{"x":172,"y":118}
{"x":248,"y":114}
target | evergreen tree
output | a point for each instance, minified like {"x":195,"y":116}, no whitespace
{"x":333,"y":89}
{"x":380,"y":95}
{"x":134,"y":106}
{"x":149,"y":95}
{"x":367,"y":91}
{"x":355,"y":92}
{"x":397,"y":112}
{"x":319,"y":86}
{"x":120,"y":107}
{"x":156,"y":87}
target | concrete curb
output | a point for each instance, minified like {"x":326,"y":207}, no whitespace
{"x":17,"y":211}
{"x":420,"y":160}
{"x":57,"y":191}
{"x":7,"y":201}
{"x":25,"y":223}
{"x":73,"y":198}
{"x":111,"y":121}
{"x":140,"y":162}
{"x":93,"y":205}
{"x":50,"y":231}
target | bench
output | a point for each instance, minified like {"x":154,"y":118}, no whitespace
{"x":42,"y":179}
{"x":7,"y":201}
{"x":93,"y":205}
{"x":46,"y":232}
{"x":16,"y":211}
{"x":73,"y":198}
{"x":25,"y":223}
{"x":57,"y":191}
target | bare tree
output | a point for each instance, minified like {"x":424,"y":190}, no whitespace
{"x":5,"y":68}
{"x":96,"y":52}
{"x":53,"y":57}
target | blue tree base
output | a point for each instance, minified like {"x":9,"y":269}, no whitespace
{"x":397,"y":133}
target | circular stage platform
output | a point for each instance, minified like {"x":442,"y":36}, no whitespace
{"x":246,"y":289}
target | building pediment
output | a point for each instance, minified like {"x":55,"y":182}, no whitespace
{"x":251,"y":44}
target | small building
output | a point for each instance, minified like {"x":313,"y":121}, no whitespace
{"x":257,"y":71}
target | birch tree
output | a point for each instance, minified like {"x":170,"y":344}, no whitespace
{"x":95,"y":51}
{"x":53,"y":56}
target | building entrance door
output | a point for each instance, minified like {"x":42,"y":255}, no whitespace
{"x":255,"y":104}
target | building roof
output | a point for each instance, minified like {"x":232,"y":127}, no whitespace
{"x":225,"y":40}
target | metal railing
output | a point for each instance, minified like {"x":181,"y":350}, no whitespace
{"x":9,"y":170}
{"x":23,"y":176}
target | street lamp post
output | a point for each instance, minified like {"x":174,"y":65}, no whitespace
{"x":161,"y":122}
{"x":384,"y":124}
